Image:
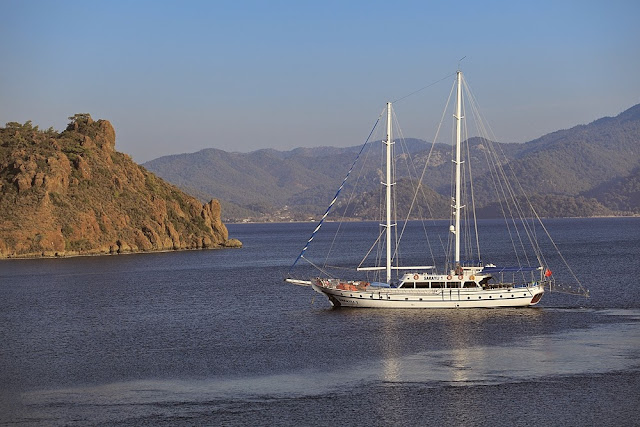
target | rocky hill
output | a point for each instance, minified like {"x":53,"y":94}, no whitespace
{"x":71,"y":193}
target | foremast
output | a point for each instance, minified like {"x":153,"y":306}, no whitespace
{"x":388,"y":223}
{"x":458,"y":162}
{"x":388,"y":143}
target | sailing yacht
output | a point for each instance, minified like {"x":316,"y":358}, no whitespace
{"x":462,"y":284}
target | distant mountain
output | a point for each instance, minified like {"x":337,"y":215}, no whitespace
{"x":304,"y":179}
{"x":579,"y":159}
{"x":71,"y":193}
{"x":583,"y":171}
{"x":554,"y":205}
{"x":261,"y":181}
{"x":367,"y":205}
{"x":620,"y":194}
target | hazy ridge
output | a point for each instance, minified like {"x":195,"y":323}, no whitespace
{"x":587,"y":170}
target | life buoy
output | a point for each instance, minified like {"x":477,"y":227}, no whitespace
{"x":472,"y":277}
{"x":449,"y":277}
{"x":416,"y":277}
{"x":460,"y":276}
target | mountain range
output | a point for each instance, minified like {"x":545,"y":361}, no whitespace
{"x":587,"y":170}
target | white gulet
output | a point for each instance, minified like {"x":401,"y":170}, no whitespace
{"x":462,"y":285}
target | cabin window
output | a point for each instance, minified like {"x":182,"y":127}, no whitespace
{"x":469,"y":284}
{"x":422,"y":284}
{"x":437,"y":284}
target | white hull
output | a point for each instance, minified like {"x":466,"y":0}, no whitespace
{"x":433,"y":298}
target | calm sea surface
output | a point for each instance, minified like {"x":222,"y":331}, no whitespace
{"x":216,"y":338}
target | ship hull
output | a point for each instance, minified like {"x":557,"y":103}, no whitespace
{"x":433,"y":298}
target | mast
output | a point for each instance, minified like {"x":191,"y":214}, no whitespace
{"x":458,"y":162}
{"x":388,"y":185}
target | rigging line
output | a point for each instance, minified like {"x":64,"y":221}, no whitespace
{"x":490,"y":137}
{"x":347,"y":205}
{"x":337,"y":267}
{"x":546,"y":231}
{"x":416,"y":188}
{"x":412,"y":171}
{"x":474,"y":113}
{"x":381,"y":208}
{"x":558,"y":250}
{"x":426,"y":163}
{"x":505,"y":186}
{"x":394,"y":145}
{"x":336,"y":196}
{"x":371,"y":249}
{"x":473,"y":201}
{"x":515,"y":211}
{"x":512,"y":206}
{"x":410,"y":167}
{"x":520,"y":209}
{"x":326,"y":273}
{"x":465,"y":182}
{"x":498,"y":185}
{"x":396,"y":256}
{"x":528,"y":228}
{"x":423,"y":88}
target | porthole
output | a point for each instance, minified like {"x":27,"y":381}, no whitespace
{"x":512,"y":296}
{"x":468,"y":297}
{"x":406,"y":299}
{"x":479,"y":297}
{"x":500,"y":296}
{"x":490,"y":297}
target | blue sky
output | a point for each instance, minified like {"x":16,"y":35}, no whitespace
{"x":177,"y":77}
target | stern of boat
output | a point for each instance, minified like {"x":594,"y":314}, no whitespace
{"x":538,"y":293}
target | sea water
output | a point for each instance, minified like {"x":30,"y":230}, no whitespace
{"x":216,"y":337}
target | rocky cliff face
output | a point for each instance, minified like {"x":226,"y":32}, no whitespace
{"x":71,"y":193}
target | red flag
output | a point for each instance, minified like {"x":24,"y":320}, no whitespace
{"x":547,"y":273}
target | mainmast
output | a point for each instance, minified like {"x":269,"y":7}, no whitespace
{"x":458,"y":162}
{"x":388,"y":185}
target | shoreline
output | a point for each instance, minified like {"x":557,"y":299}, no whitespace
{"x":229,"y":244}
{"x":228,"y":222}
